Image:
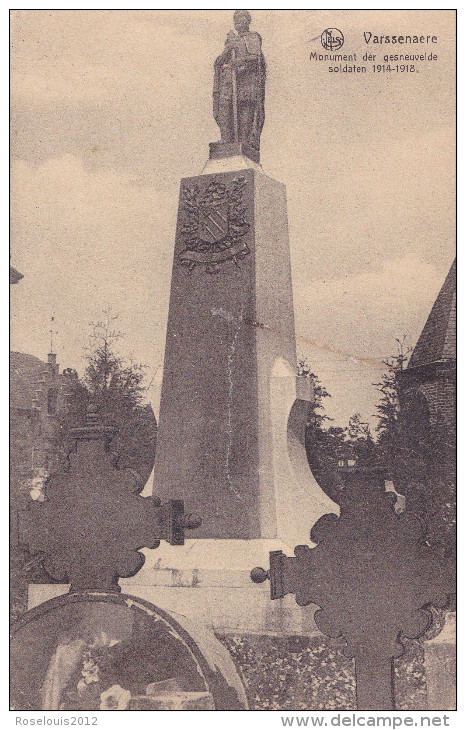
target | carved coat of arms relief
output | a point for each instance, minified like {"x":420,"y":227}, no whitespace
{"x":215,"y":225}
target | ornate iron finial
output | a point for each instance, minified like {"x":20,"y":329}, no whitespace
{"x":372,"y":574}
{"x":259,"y":575}
{"x":92,"y":523}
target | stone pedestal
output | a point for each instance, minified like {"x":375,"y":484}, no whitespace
{"x":233,"y":412}
{"x":440,"y":667}
{"x":208,"y":581}
{"x":219,"y":150}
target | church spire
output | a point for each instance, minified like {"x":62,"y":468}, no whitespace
{"x":438,"y":338}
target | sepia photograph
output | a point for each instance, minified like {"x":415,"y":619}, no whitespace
{"x":233,"y":362}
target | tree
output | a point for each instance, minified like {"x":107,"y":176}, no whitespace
{"x":359,"y":438}
{"x":388,"y":408}
{"x":115,"y":385}
{"x":399,"y":448}
{"x":325,"y":445}
{"x":418,"y":459}
{"x":322,"y":444}
{"x":109,"y":379}
{"x":358,"y":429}
{"x":316,"y":416}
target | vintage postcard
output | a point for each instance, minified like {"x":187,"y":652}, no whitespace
{"x":233,"y":361}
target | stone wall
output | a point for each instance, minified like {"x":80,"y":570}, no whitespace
{"x":441,"y":397}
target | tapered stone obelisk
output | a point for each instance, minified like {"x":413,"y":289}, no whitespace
{"x":225,"y":444}
{"x":230,"y":322}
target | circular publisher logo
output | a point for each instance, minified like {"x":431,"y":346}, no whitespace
{"x":332,"y":39}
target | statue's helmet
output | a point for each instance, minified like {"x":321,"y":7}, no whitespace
{"x":242,"y":13}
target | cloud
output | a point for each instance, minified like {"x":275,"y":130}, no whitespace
{"x":111,"y":108}
{"x":96,"y":55}
{"x":362,"y":314}
{"x":382,"y":202}
{"x":347,"y":325}
{"x":62,"y":193}
{"x":85,"y":240}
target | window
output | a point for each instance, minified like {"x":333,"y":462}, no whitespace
{"x":52,"y":397}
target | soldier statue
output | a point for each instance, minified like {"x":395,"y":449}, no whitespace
{"x":239,"y":85}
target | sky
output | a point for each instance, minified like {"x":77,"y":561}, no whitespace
{"x":110,"y":109}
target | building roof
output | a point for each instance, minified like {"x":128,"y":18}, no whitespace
{"x":25,"y":370}
{"x":438,"y":338}
{"x":15,"y":275}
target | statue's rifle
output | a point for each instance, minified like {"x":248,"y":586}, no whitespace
{"x":254,"y":135}
{"x":234,"y":96}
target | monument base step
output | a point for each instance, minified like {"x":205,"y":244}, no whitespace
{"x":208,"y":561}
{"x":209,"y":581}
{"x":177,"y":701}
{"x":233,"y":163}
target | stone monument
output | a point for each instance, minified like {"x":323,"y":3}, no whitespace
{"x":232,"y":408}
{"x":233,"y":411}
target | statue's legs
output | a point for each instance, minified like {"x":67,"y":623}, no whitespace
{"x":225,"y":120}
{"x":246,"y":123}
{"x":246,"y":131}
